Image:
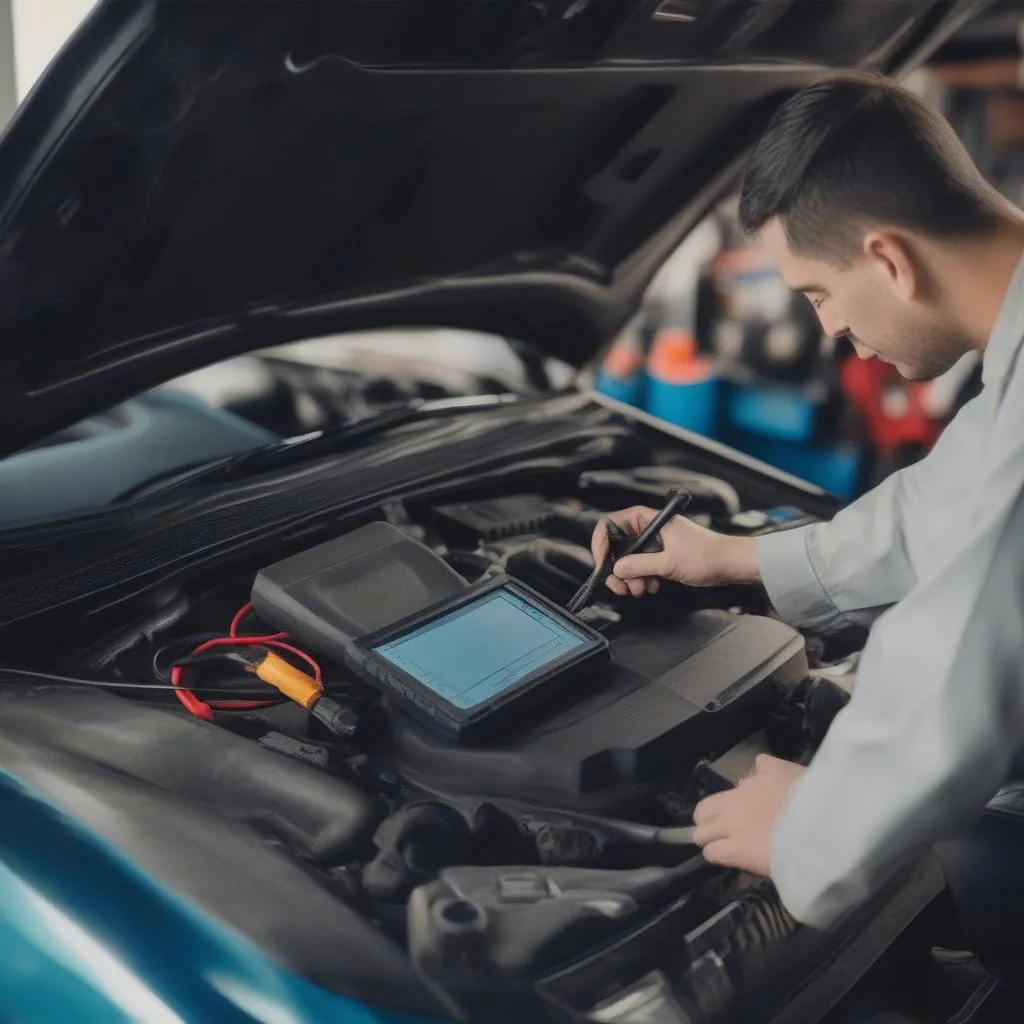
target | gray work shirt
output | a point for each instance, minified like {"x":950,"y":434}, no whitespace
{"x":926,"y":740}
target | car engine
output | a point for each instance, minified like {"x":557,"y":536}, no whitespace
{"x":414,"y":832}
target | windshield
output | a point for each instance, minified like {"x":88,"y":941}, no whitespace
{"x":240,"y":405}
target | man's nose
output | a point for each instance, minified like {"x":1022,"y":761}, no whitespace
{"x":833,"y":326}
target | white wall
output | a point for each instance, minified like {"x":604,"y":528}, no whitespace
{"x":40,"y":29}
{"x":8,"y":89}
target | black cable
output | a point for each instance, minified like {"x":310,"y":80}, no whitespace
{"x":676,"y":504}
{"x":23,"y":675}
{"x":625,"y":831}
{"x":341,"y":719}
{"x":184,"y":645}
{"x":236,"y":657}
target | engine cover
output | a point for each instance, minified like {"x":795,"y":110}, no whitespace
{"x":678,"y":691}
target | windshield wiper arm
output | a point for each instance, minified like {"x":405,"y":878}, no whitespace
{"x":329,"y":441}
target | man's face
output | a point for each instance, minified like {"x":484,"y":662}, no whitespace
{"x":866,"y":302}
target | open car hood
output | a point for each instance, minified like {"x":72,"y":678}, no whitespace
{"x":190,"y":181}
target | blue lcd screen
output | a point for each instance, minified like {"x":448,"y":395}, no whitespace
{"x":482,"y":649}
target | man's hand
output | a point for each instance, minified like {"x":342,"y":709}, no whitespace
{"x":735,"y":828}
{"x":691,"y":555}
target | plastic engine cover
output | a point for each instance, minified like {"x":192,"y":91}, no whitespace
{"x":676,"y":693}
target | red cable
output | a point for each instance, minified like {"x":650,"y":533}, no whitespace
{"x":192,"y":703}
{"x":240,"y":615}
{"x":202,"y":709}
{"x":230,"y":705}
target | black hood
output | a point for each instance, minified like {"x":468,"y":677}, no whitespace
{"x":195,"y":179}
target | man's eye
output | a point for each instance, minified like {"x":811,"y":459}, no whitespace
{"x":818,"y":301}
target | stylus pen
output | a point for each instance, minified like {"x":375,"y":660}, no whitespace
{"x":678,"y":500}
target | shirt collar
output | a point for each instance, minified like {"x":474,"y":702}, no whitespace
{"x":1008,"y":332}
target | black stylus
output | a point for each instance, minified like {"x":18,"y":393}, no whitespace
{"x":676,"y":504}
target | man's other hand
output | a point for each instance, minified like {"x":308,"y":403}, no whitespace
{"x":735,"y":828}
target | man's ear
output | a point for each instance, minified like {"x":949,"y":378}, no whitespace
{"x":892,"y":257}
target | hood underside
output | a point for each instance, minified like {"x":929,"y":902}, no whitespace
{"x":190,"y":181}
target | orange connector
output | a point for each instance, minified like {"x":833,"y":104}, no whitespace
{"x":295,"y":684}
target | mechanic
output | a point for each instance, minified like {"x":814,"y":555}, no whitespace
{"x":872,"y":208}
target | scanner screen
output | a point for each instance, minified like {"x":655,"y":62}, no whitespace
{"x":474,"y":653}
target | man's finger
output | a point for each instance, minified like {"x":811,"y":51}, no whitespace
{"x":721,"y":852}
{"x":710,"y":807}
{"x":711,"y":832}
{"x":640,"y":566}
{"x":633,"y":520}
{"x":653,"y":585}
{"x":617,"y":586}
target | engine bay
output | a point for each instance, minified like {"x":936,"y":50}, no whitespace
{"x":556,"y":840}
{"x":692,"y":674}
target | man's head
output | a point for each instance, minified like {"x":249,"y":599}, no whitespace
{"x":863,"y":195}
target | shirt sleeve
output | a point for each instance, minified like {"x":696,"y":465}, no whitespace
{"x":846,"y":572}
{"x":934,"y":725}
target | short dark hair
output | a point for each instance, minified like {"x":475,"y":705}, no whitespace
{"x":859,"y":150}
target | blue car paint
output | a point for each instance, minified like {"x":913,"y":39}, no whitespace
{"x":86,"y":936}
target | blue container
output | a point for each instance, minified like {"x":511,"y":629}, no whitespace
{"x":682,"y":387}
{"x":622,"y":375}
{"x":630,"y":390}
{"x":692,"y":405}
{"x":780,"y":413}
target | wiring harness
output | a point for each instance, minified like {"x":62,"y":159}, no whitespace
{"x":255,"y":654}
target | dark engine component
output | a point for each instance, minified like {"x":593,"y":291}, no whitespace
{"x":556,"y":568}
{"x":517,"y":921}
{"x":413,"y":845}
{"x":649,"y":485}
{"x":724,"y":968}
{"x":319,"y":817}
{"x":803,"y":716}
{"x":678,"y":692}
{"x":734,"y":952}
{"x":485,"y":522}
{"x":572,"y":845}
